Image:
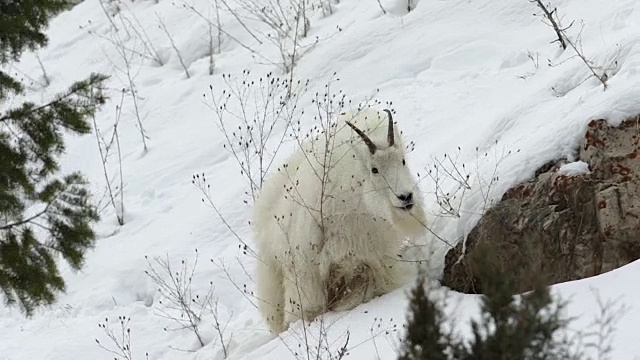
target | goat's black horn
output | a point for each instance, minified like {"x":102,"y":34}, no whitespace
{"x":365,"y":138}
{"x":390,"y":137}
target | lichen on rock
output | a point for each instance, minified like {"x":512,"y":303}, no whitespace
{"x":565,"y":225}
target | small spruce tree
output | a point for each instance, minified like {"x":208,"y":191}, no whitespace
{"x":42,"y":215}
{"x":424,"y":333}
{"x":508,"y":328}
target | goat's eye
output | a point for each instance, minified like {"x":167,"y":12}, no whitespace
{"x":403,"y":163}
{"x":374,"y":170}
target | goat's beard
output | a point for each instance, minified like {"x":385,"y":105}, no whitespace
{"x":410,"y":222}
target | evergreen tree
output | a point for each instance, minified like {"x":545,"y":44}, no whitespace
{"x":43,"y":215}
{"x":424,"y":334}
{"x":508,"y":328}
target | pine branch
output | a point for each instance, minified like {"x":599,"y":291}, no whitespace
{"x":27,"y":220}
{"x":31,"y":141}
{"x":77,"y":89}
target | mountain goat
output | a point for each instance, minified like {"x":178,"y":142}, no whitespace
{"x":330,"y":222}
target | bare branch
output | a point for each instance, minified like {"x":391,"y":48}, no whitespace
{"x":163,"y":26}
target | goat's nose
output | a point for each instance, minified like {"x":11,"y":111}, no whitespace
{"x":406,"y":197}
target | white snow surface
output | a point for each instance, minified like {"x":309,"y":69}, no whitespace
{"x":458,"y":74}
{"x":574,"y":168}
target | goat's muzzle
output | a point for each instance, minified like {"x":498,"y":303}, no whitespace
{"x":407,"y":200}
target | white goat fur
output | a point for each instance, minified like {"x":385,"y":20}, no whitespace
{"x":363,"y":222}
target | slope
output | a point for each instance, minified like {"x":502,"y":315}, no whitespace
{"x":473,"y":75}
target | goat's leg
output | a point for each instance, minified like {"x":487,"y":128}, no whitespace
{"x":392,"y":274}
{"x":270,"y":293}
{"x":353,"y":287}
{"x":304,"y":296}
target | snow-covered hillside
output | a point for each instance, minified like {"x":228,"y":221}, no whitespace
{"x":473,"y":75}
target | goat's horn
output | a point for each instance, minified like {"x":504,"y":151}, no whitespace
{"x":390,"y":137}
{"x":365,"y":138}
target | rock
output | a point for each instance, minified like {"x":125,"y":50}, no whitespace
{"x":569,"y":222}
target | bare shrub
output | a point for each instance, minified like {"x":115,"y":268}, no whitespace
{"x":535,"y":60}
{"x":120,"y":35}
{"x":596,"y":71}
{"x":113,"y":193}
{"x":288,"y":23}
{"x":453,"y":184}
{"x":182,"y":306}
{"x":222,"y":31}
{"x":45,"y":76}
{"x":175,"y":287}
{"x":249,"y":113}
{"x":449,"y":168}
{"x":126,"y":32}
{"x":214,"y":47}
{"x":120,"y":339}
{"x":552,"y":19}
{"x":214,"y":31}
{"x":599,"y":333}
{"x":163,"y":26}
{"x":210,"y":302}
{"x":34,"y":83}
{"x":325,"y":6}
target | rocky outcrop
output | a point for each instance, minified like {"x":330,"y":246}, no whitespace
{"x":570,"y":222}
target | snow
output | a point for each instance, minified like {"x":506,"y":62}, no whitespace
{"x":574,"y":168}
{"x":457,"y":72}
